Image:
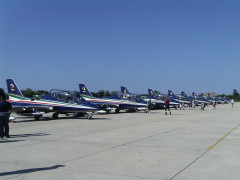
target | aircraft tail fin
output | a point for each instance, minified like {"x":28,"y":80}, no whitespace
{"x":194,"y":94}
{"x":12,"y":88}
{"x":183,"y":94}
{"x":151,"y":93}
{"x":124,"y":90}
{"x":171,"y":94}
{"x":84,"y":90}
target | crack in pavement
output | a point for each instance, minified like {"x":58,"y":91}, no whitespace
{"x":120,"y":145}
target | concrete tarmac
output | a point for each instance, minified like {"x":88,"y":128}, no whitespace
{"x":188,"y":145}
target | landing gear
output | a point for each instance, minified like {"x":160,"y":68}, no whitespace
{"x":90,"y":115}
{"x":131,"y":110}
{"x":55,"y":115}
{"x":117,"y":110}
{"x":37,"y":117}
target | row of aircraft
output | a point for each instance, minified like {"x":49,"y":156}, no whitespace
{"x":67,"y":102}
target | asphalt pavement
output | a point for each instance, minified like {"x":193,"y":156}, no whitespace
{"x":188,"y":145}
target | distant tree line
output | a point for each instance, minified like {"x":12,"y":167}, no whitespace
{"x":31,"y":93}
{"x":101,"y":93}
{"x":26,"y":93}
{"x":235,"y":95}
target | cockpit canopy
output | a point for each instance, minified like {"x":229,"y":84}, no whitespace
{"x":131,"y":97}
{"x":63,"y":95}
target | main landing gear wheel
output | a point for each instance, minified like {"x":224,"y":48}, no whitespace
{"x":89,"y":117}
{"x":37,"y":117}
{"x":55,"y":115}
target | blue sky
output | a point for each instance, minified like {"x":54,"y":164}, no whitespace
{"x":178,"y":45}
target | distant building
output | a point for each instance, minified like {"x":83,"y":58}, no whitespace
{"x":212,"y":94}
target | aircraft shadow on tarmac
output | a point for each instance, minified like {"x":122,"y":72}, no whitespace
{"x":175,"y":114}
{"x":24,"y":171}
{"x":27,"y":135}
{"x":10,"y":141}
{"x":21,"y":135}
{"x":30,"y":119}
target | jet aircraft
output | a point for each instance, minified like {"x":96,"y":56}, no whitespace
{"x":156,"y":101}
{"x":199,"y":99}
{"x":202,"y":99}
{"x":184,"y":100}
{"x":110,"y":102}
{"x":58,"y":102}
{"x":125,"y":94}
{"x":160,"y":101}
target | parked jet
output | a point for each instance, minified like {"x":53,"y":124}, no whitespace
{"x":132,"y":97}
{"x":174,"y":98}
{"x":126,"y":94}
{"x":110,"y":102}
{"x":198,"y":100}
{"x":184,"y":95}
{"x":58,"y":101}
{"x":160,"y":101}
{"x":201,"y":99}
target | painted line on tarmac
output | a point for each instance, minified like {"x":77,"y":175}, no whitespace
{"x":188,"y":165}
{"x":210,"y":147}
{"x":120,"y":145}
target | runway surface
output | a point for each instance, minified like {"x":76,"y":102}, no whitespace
{"x":188,"y":145}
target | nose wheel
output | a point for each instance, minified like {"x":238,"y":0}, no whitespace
{"x":37,"y":117}
{"x":90,"y":115}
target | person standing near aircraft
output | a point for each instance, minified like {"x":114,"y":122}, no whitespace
{"x":202,"y":106}
{"x":193,"y":104}
{"x":190,"y":104}
{"x":5,"y":111}
{"x":232,"y":102}
{"x":183,"y":105}
{"x":167,"y":107}
{"x":149,"y":104}
{"x":214,"y":104}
